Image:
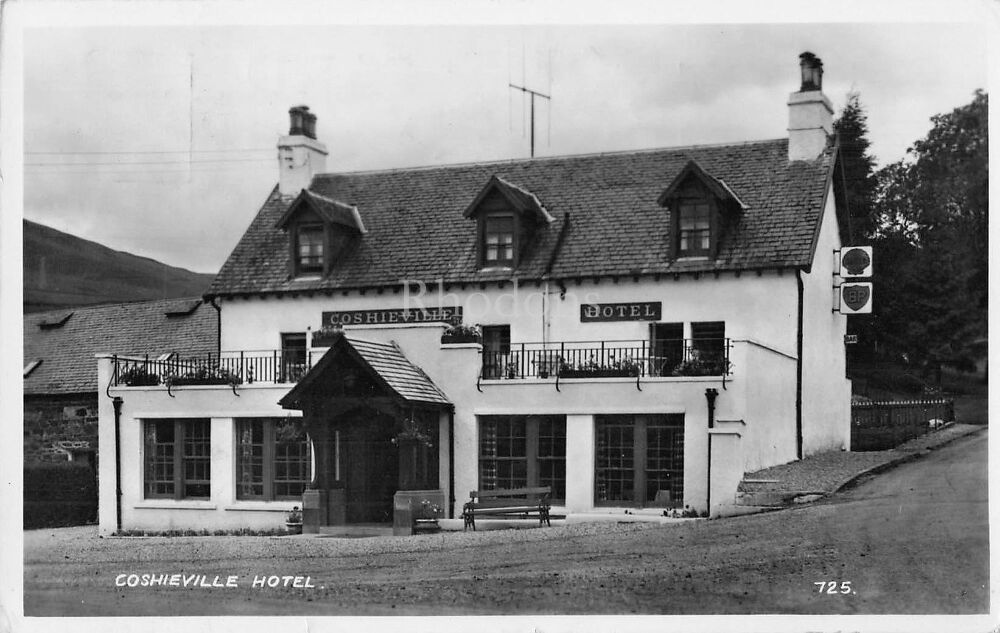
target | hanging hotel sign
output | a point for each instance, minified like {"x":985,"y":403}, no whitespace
{"x":642,"y":311}
{"x":856,"y":298}
{"x":388,"y":317}
{"x":856,"y":262}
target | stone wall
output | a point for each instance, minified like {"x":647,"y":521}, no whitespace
{"x":60,"y":427}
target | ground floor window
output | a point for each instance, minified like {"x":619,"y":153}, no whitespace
{"x":517,"y":451}
{"x":178,"y":458}
{"x":639,"y":460}
{"x":273,"y":458}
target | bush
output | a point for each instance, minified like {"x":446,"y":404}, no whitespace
{"x":58,"y":494}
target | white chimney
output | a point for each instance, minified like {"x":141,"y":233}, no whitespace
{"x":300,"y":155}
{"x":810,"y":113}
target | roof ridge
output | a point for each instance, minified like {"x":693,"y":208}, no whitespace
{"x":537,"y":159}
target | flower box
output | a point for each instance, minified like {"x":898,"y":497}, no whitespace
{"x":599,"y":373}
{"x":456,"y":339}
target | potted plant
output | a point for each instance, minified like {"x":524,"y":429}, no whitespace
{"x":457,"y":334}
{"x":293,"y":521}
{"x":138,"y":377}
{"x":425,"y":517}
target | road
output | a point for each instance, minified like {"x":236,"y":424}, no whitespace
{"x":912,"y":540}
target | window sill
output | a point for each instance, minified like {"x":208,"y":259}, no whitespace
{"x":167,"y":504}
{"x":281,"y":505}
{"x":692,"y":258}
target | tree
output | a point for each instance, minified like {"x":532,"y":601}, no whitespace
{"x":930,"y":232}
{"x":857,"y":167}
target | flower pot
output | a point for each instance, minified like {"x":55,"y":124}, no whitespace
{"x":293,"y":527}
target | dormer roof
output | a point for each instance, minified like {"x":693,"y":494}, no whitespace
{"x":716,"y":186}
{"x":329,"y":210}
{"x":520,"y":199}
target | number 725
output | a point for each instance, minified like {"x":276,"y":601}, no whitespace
{"x":833,"y":587}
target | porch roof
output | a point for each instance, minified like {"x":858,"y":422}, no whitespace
{"x":386,"y":363}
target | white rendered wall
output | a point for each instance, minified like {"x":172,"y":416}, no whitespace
{"x":222,"y":510}
{"x":826,"y":392}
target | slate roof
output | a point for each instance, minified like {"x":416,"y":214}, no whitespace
{"x":416,"y":228}
{"x":68,"y":351}
{"x":404,"y":378}
{"x":333,"y":211}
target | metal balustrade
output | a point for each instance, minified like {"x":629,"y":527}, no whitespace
{"x":227,"y":368}
{"x":609,"y":359}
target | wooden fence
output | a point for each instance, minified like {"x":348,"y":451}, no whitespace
{"x":880,"y":425}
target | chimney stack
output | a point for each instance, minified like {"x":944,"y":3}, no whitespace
{"x":300,"y":155}
{"x":810,"y":113}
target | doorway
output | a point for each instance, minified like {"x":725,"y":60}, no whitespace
{"x":369,"y":466}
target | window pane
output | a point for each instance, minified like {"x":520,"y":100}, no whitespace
{"x":197,"y":458}
{"x":552,"y":455}
{"x":292,"y":458}
{"x":249,"y":459}
{"x":665,"y":459}
{"x":159,"y":458}
{"x":499,"y":240}
{"x":694,"y":223}
{"x":614,"y":456}
{"x":502,"y":453}
{"x":310,"y":248}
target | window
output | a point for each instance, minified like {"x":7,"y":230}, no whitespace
{"x":309,"y":249}
{"x":694,"y":228}
{"x":178,"y":458}
{"x":496,"y":352}
{"x":667,"y":345}
{"x":273,"y":458}
{"x":293,"y":356}
{"x":708,"y":342}
{"x":520,"y":451}
{"x":639,"y":460}
{"x":498,"y":240}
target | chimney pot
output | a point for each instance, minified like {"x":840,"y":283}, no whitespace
{"x":302,"y":122}
{"x":812,"y":72}
{"x":300,"y":155}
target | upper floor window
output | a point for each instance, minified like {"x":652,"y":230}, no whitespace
{"x":498,"y":240}
{"x":309,"y":249}
{"x":703,"y":210}
{"x":694,"y":228}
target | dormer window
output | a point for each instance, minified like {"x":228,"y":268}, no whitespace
{"x":694,"y":232}
{"x":498,"y":240}
{"x":702,"y":208}
{"x":507,"y":217}
{"x":320,"y":231}
{"x":310,"y":249}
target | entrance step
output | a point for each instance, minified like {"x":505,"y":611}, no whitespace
{"x":355,"y":530}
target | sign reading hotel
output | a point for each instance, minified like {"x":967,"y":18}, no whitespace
{"x":643,"y":311}
{"x":389,"y":317}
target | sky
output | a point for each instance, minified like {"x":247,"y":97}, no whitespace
{"x":161,"y":139}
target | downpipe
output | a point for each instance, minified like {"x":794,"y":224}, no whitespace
{"x":710,"y":396}
{"x":117,"y":403}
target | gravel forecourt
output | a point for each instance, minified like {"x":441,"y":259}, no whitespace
{"x":763,"y":563}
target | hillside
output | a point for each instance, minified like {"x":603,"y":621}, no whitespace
{"x":62,"y":270}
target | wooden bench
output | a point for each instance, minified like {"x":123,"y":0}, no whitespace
{"x":509,"y":503}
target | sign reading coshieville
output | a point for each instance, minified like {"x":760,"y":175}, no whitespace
{"x":641,"y":311}
{"x":387,"y":317}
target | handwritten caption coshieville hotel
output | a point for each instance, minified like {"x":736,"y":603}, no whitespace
{"x":207,"y":581}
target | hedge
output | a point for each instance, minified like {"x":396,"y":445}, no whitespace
{"x":59,"y":494}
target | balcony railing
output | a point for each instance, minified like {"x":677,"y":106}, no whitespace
{"x":227,"y":368}
{"x":609,"y":359}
